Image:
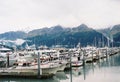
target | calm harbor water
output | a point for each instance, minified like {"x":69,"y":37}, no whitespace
{"x":105,"y":70}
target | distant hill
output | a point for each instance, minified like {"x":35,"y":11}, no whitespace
{"x":12,"y":35}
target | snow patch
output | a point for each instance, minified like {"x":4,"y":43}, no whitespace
{"x":19,"y":41}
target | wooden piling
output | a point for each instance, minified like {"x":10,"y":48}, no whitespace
{"x":7,"y":60}
{"x":39,"y":64}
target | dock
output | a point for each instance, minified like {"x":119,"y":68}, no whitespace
{"x":4,"y":72}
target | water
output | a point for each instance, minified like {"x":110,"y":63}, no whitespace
{"x":105,"y":70}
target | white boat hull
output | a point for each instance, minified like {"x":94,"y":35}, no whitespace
{"x":33,"y":70}
{"x":77,"y":63}
{"x":62,"y":67}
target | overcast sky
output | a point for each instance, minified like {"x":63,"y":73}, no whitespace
{"x":32,"y":14}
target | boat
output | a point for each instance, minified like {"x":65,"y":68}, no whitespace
{"x":62,"y":65}
{"x":75,"y":62}
{"x":4,"y":54}
{"x":31,"y":69}
{"x":2,"y":61}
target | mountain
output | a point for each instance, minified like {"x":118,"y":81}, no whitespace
{"x":12,"y":35}
{"x":81,"y":28}
{"x":12,"y":38}
{"x":115,"y":29}
{"x":37,"y":32}
{"x":116,"y":34}
{"x":105,"y":32}
{"x":56,"y":29}
{"x":113,"y":33}
{"x":46,"y":30}
{"x":110,"y":31}
{"x":116,"y":38}
{"x":67,"y":36}
{"x":58,"y":35}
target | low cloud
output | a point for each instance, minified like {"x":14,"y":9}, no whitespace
{"x":17,"y":14}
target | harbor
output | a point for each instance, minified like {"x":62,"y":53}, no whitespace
{"x":46,"y":62}
{"x":106,"y":70}
{"x":59,"y":40}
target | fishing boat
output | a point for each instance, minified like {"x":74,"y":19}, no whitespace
{"x":31,"y":69}
{"x":4,"y":54}
{"x":75,"y":62}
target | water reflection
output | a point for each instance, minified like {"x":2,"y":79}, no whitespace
{"x":84,"y":72}
{"x":28,"y":80}
{"x":76,"y":71}
{"x":61,"y":75}
{"x":104,"y":70}
{"x":71,"y":74}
